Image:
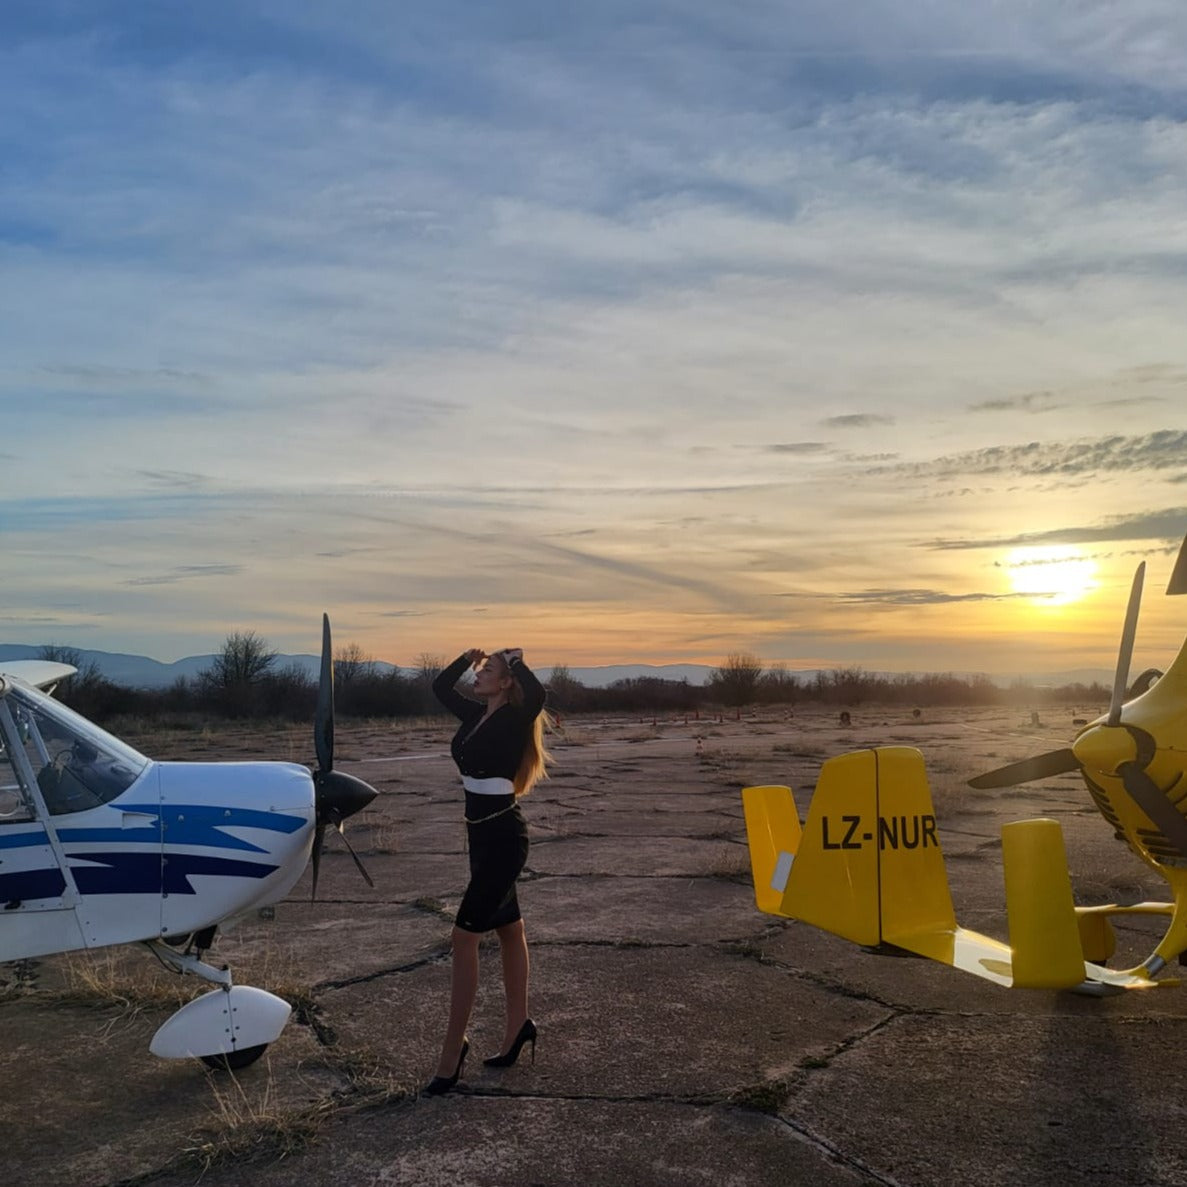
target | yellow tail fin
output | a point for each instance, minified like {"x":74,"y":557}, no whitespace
{"x":868,"y":866}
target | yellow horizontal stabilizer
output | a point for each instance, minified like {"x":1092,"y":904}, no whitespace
{"x":1044,"y":934}
{"x":1114,"y":980}
{"x":980,"y":955}
{"x":773,"y":834}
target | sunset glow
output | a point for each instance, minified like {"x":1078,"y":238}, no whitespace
{"x":624,"y":334}
{"x":1059,"y":575}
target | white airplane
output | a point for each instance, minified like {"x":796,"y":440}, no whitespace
{"x":100,"y":845}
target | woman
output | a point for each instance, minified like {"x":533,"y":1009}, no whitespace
{"x":499,"y":751}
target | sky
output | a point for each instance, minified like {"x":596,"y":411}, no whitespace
{"x":842,"y":335}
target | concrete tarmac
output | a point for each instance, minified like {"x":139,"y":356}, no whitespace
{"x":685,"y":1038}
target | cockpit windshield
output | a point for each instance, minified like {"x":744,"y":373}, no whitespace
{"x":76,"y":764}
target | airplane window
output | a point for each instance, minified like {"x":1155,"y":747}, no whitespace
{"x":77,"y":765}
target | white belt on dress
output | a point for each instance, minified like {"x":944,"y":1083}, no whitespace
{"x":492,"y":786}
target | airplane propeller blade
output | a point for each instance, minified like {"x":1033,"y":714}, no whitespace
{"x":336,"y":795}
{"x":323,"y":722}
{"x":1178,"y":581}
{"x":1041,"y":766}
{"x":1150,"y":798}
{"x":1125,"y":655}
{"x":357,"y":861}
{"x":319,"y":836}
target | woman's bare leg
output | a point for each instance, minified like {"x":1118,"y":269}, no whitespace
{"x":513,"y":946}
{"x":463,"y":989}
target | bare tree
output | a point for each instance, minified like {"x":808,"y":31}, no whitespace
{"x":736,"y":681}
{"x":564,"y":688}
{"x":243,"y":661}
{"x":429,"y":667}
{"x":352,"y":663}
{"x":777,"y":685}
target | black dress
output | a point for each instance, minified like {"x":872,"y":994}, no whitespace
{"x":490,"y":753}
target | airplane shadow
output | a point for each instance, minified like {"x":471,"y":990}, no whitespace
{"x":1090,"y":1111}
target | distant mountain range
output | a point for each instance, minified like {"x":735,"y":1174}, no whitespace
{"x":138,"y":671}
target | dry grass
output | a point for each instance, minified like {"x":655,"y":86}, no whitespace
{"x":109,"y":979}
{"x":371,"y":1083}
{"x":131,"y":982}
{"x":646,"y":734}
{"x":255,"y":1125}
{"x":732,"y":863}
{"x":274,"y":968}
{"x":244,"y":1129}
{"x":17,"y":979}
{"x":715,"y":759}
{"x":384,"y":839}
{"x":434,"y":906}
{"x":767,"y":1097}
{"x":799,"y":750}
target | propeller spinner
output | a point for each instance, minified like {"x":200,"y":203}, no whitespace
{"x":337,"y":795}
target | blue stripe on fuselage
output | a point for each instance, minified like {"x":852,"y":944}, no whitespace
{"x":19,"y":840}
{"x":31,"y":884}
{"x":188,"y":824}
{"x":149,"y":873}
{"x":127,"y":873}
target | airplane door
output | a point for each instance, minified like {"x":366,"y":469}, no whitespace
{"x":37,"y":891}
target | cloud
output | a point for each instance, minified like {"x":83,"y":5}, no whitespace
{"x":1031,"y":402}
{"x":857,"y":420}
{"x":124,"y":377}
{"x":803,"y":447}
{"x":39,"y":620}
{"x":1167,"y":525}
{"x":184,"y":480}
{"x":51,"y":515}
{"x":409,"y":295}
{"x":187,"y":573}
{"x":923,"y":597}
{"x":1161,"y":450}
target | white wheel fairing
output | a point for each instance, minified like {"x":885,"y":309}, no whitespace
{"x":222,"y":1021}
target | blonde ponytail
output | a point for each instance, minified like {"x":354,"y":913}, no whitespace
{"x":533,"y":765}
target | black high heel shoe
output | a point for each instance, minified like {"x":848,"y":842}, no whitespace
{"x":440,"y":1085}
{"x":527,"y":1034}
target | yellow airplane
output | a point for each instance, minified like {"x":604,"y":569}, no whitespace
{"x":867,"y":864}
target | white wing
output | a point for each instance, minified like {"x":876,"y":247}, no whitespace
{"x":41,"y":673}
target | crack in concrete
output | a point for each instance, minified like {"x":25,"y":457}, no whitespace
{"x":642,"y":1098}
{"x":531,"y":875}
{"x":625,"y":942}
{"x":809,"y":1137}
{"x":748,"y":949}
{"x":637,"y":876}
{"x":442,"y":954}
{"x":732,"y":837}
{"x":363,"y":978}
{"x":860,"y":1036}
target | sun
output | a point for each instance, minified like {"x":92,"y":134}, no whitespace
{"x":1057,"y":574}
